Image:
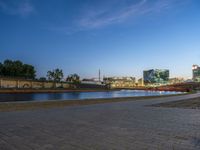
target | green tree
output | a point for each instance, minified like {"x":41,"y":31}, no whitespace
{"x":28,"y":71}
{"x":8,"y":68}
{"x":74,"y":78}
{"x":17,"y":69}
{"x":56,"y":75}
{"x":42,"y":79}
{"x":1,"y":69}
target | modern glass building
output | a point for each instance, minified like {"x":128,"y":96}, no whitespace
{"x":196,"y":73}
{"x":156,"y":76}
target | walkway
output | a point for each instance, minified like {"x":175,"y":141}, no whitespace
{"x":117,"y":126}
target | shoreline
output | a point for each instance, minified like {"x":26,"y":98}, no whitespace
{"x":29,"y":91}
{"x":32,"y":105}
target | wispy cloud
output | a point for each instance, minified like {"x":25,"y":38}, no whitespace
{"x":98,"y":15}
{"x":21,"y":8}
{"x":99,"y":18}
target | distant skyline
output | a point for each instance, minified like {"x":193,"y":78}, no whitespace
{"x":120,"y":37}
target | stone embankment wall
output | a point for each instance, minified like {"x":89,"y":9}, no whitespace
{"x":20,"y":83}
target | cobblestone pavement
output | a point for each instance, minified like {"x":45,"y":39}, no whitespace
{"x":120,"y":126}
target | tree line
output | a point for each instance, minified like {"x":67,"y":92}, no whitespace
{"x":11,"y":68}
{"x":57,"y":75}
{"x":17,"y":68}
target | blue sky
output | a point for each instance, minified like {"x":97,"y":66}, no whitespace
{"x":121,"y":37}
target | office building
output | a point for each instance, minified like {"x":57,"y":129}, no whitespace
{"x":156,"y":76}
{"x":196,"y":73}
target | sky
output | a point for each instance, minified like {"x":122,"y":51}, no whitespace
{"x":120,"y":37}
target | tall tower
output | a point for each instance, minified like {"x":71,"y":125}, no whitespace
{"x":195,"y":72}
{"x":99,"y":75}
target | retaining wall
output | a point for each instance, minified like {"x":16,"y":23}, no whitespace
{"x":20,"y":83}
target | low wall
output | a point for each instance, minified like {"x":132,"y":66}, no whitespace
{"x":90,"y":86}
{"x":25,"y":84}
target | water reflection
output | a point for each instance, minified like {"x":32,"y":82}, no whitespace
{"x":79,"y":95}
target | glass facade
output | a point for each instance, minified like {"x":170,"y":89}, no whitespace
{"x":159,"y":76}
{"x":196,"y":73}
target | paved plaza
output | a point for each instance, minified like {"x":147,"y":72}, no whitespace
{"x":131,"y":125}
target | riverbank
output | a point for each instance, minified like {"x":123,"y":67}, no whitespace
{"x":62,"y":90}
{"x":24,"y":91}
{"x":31,"y":105}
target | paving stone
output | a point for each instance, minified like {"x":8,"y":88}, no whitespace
{"x":113,"y":126}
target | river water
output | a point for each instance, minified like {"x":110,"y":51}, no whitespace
{"x":80,"y":95}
